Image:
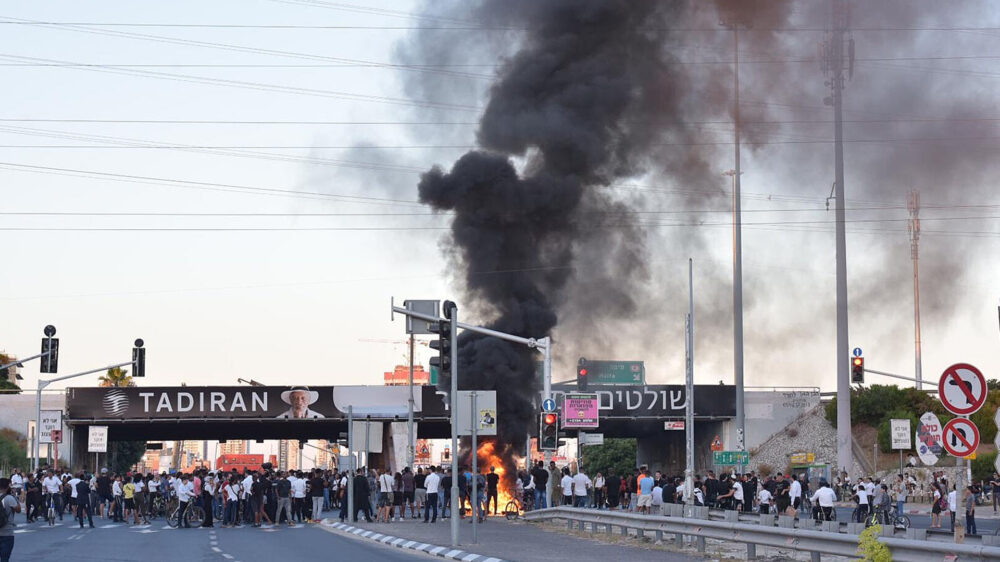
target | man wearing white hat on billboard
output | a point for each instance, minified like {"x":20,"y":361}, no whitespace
{"x":300,"y":398}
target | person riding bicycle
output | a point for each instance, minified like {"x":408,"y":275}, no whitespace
{"x":825,"y":498}
{"x":53,"y":493}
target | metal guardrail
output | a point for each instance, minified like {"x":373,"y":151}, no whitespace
{"x":822,"y":538}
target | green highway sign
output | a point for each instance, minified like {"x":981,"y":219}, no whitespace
{"x":731,"y":458}
{"x":615,"y":372}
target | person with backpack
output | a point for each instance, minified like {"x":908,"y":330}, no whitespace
{"x":9,"y":505}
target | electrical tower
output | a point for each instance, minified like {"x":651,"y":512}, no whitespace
{"x":914,"y":225}
{"x":837,"y":60}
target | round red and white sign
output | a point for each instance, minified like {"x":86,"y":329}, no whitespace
{"x":961,"y":437}
{"x":962,"y":389}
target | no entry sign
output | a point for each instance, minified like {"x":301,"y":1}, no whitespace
{"x":961,"y":437}
{"x":962,"y":389}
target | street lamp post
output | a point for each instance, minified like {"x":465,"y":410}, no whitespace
{"x":38,"y":400}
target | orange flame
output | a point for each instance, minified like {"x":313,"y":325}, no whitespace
{"x":488,"y":457}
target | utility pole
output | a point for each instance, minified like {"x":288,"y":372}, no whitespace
{"x":838,"y":55}
{"x":689,"y":392}
{"x":914,"y":224}
{"x":732,"y":17}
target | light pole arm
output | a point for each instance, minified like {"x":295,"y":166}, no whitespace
{"x":38,"y":402}
{"x":42,"y":384}
{"x":25,"y":360}
{"x":884,"y":374}
{"x":530,"y":342}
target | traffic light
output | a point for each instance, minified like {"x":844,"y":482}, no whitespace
{"x":139,"y":359}
{"x":443,"y":346}
{"x":581,"y":374}
{"x":858,"y":370}
{"x":548,"y":431}
{"x":50,"y":361}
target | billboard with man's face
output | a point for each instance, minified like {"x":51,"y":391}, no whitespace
{"x":254,"y":402}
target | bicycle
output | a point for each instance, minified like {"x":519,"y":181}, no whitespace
{"x":195,"y":516}
{"x":887,"y":516}
{"x":157,"y":507}
{"x":50,"y":513}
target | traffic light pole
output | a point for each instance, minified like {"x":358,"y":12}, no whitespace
{"x":543,"y":344}
{"x":354,"y":465}
{"x":38,"y":403}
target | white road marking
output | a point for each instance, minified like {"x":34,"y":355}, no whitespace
{"x":216,"y":549}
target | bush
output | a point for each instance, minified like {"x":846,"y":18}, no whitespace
{"x":13,"y":451}
{"x":869,"y":547}
{"x":982,"y":467}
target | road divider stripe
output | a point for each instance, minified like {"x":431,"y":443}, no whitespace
{"x":399,"y":542}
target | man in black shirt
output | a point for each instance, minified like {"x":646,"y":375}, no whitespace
{"x":361,"y":499}
{"x":670,"y":491}
{"x":103,"y":492}
{"x":541,"y":477}
{"x":420,"y":490}
{"x":613,"y":486}
{"x":446,"y":495}
{"x":712,"y":489}
{"x":316,"y":486}
{"x":492,"y":480}
{"x":83,"y":501}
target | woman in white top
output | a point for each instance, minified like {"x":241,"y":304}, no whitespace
{"x":599,"y":491}
{"x":936,"y":507}
{"x":231,"y":495}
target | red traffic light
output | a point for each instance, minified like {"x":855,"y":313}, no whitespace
{"x":858,"y":361}
{"x":583,"y":372}
{"x":549,"y":419}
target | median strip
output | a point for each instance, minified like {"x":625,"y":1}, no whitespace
{"x":407,"y":544}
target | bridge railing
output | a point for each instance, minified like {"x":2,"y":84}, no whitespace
{"x":695,"y":523}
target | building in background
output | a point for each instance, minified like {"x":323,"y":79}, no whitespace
{"x":150,"y":462}
{"x":226,"y":463}
{"x":400,"y":376}
{"x":322,"y":454}
{"x":233,"y":447}
{"x":10,"y":376}
{"x":288,"y":454}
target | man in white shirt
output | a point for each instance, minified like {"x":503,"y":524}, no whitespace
{"x":863,"y":508}
{"x":581,"y":485}
{"x":433,"y":485}
{"x":53,"y":496}
{"x":657,"y":508}
{"x":795,"y":495}
{"x":384,"y":496}
{"x":16,"y":484}
{"x":738,"y":494}
{"x":824,"y":498}
{"x":567,"y":487}
{"x":185,"y":491}
{"x":298,"y":497}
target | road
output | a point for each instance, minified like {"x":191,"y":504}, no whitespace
{"x":985,"y":522}
{"x":38,"y":543}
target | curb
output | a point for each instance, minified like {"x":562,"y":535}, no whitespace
{"x":442,"y":551}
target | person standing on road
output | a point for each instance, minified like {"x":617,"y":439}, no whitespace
{"x":764,"y":500}
{"x":284,"y":491}
{"x":432,"y":484}
{"x":581,"y":488}
{"x":185,"y":493}
{"x":952,"y":504}
{"x":995,"y":490}
{"x":612,"y":489}
{"x":599,"y":484}
{"x":409,"y":489}
{"x":299,"y":497}
{"x":419,"y":491}
{"x":795,"y":495}
{"x":899,"y":490}
{"x":83,"y":504}
{"x":645,"y":488}
{"x":541,"y":477}
{"x":566,"y":486}
{"x":361,"y":501}
{"x":9,"y":505}
{"x":128,"y":496}
{"x":492,"y":481}
{"x":316,"y":487}
{"x":936,"y":504}
{"x":970,"y":510}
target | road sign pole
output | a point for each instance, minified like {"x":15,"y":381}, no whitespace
{"x":452,"y":314}
{"x":353,"y":468}
{"x":473,"y":497}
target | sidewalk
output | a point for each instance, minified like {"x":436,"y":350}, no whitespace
{"x":519,"y":541}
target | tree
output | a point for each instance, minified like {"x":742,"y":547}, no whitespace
{"x":8,"y":380}
{"x":982,"y":467}
{"x":615,"y":453}
{"x":123,"y":454}
{"x":13,"y":449}
{"x":116,"y":376}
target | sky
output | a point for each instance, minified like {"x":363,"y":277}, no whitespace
{"x":302,"y":148}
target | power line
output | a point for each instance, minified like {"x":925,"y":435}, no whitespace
{"x":260,"y":86}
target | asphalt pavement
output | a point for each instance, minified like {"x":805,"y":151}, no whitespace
{"x":118,"y":542}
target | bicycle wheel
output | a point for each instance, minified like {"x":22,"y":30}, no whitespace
{"x":173,"y":519}
{"x":856,"y":515}
{"x":902,"y":522}
{"x":511,"y":511}
{"x":218,"y":511}
{"x":196,"y":516}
